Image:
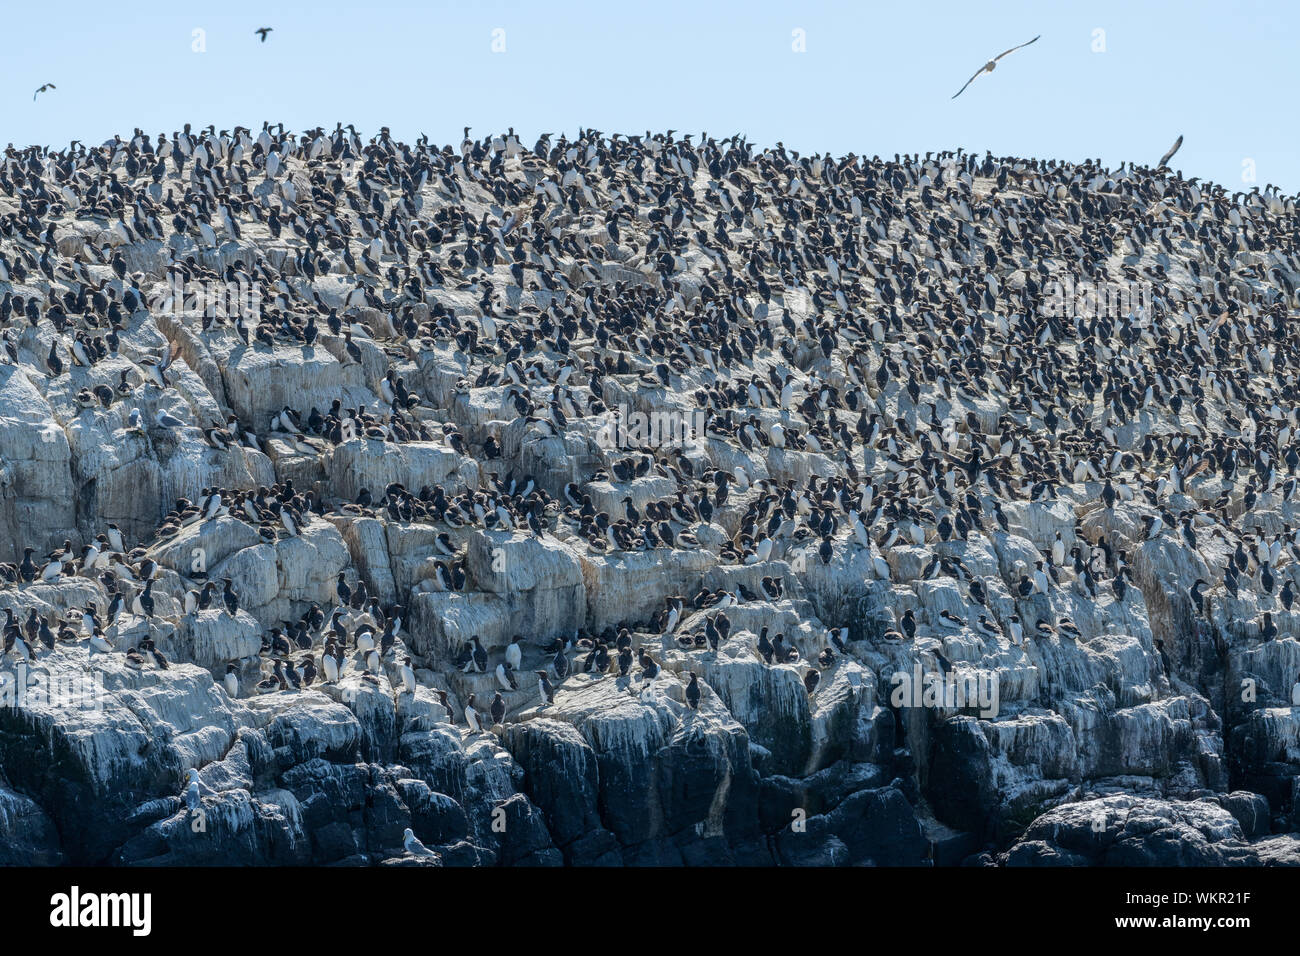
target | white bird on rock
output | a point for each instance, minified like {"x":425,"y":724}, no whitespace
{"x":413,"y":845}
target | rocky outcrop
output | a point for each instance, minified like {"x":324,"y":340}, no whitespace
{"x":1130,"y":831}
{"x":931,"y":560}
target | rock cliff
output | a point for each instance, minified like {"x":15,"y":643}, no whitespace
{"x":953,"y":566}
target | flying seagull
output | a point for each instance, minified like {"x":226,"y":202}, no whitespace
{"x":263,"y":31}
{"x":47,"y":86}
{"x":988,"y":67}
{"x":1164,"y":160}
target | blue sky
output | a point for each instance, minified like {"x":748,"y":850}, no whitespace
{"x":874,"y":77}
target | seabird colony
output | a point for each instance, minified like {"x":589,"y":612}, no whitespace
{"x":892,"y":368}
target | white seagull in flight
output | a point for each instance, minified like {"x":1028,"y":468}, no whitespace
{"x":988,"y":67}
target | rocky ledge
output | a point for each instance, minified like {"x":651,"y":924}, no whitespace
{"x":639,"y":501}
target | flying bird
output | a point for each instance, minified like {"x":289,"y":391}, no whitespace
{"x":988,"y":67}
{"x":42,"y":89}
{"x":1164,"y":160}
{"x":263,"y":31}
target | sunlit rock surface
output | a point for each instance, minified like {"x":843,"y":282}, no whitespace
{"x":869,"y":342}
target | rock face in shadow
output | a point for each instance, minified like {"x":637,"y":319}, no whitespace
{"x":1129,"y":831}
{"x":930,"y":559}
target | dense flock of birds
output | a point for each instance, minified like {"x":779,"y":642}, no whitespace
{"x":887,"y":317}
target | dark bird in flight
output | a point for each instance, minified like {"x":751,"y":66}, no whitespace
{"x":47,"y":86}
{"x":1164,"y":160}
{"x":263,"y":31}
{"x":988,"y":67}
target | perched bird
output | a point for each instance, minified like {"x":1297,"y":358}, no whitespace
{"x":908,"y":624}
{"x":693,"y":692}
{"x":230,"y":601}
{"x":544,"y":687}
{"x":560,"y":664}
{"x":471,"y":716}
{"x":505,"y":675}
{"x":1197,"y":593}
{"x":411,"y":843}
{"x":1164,"y":658}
